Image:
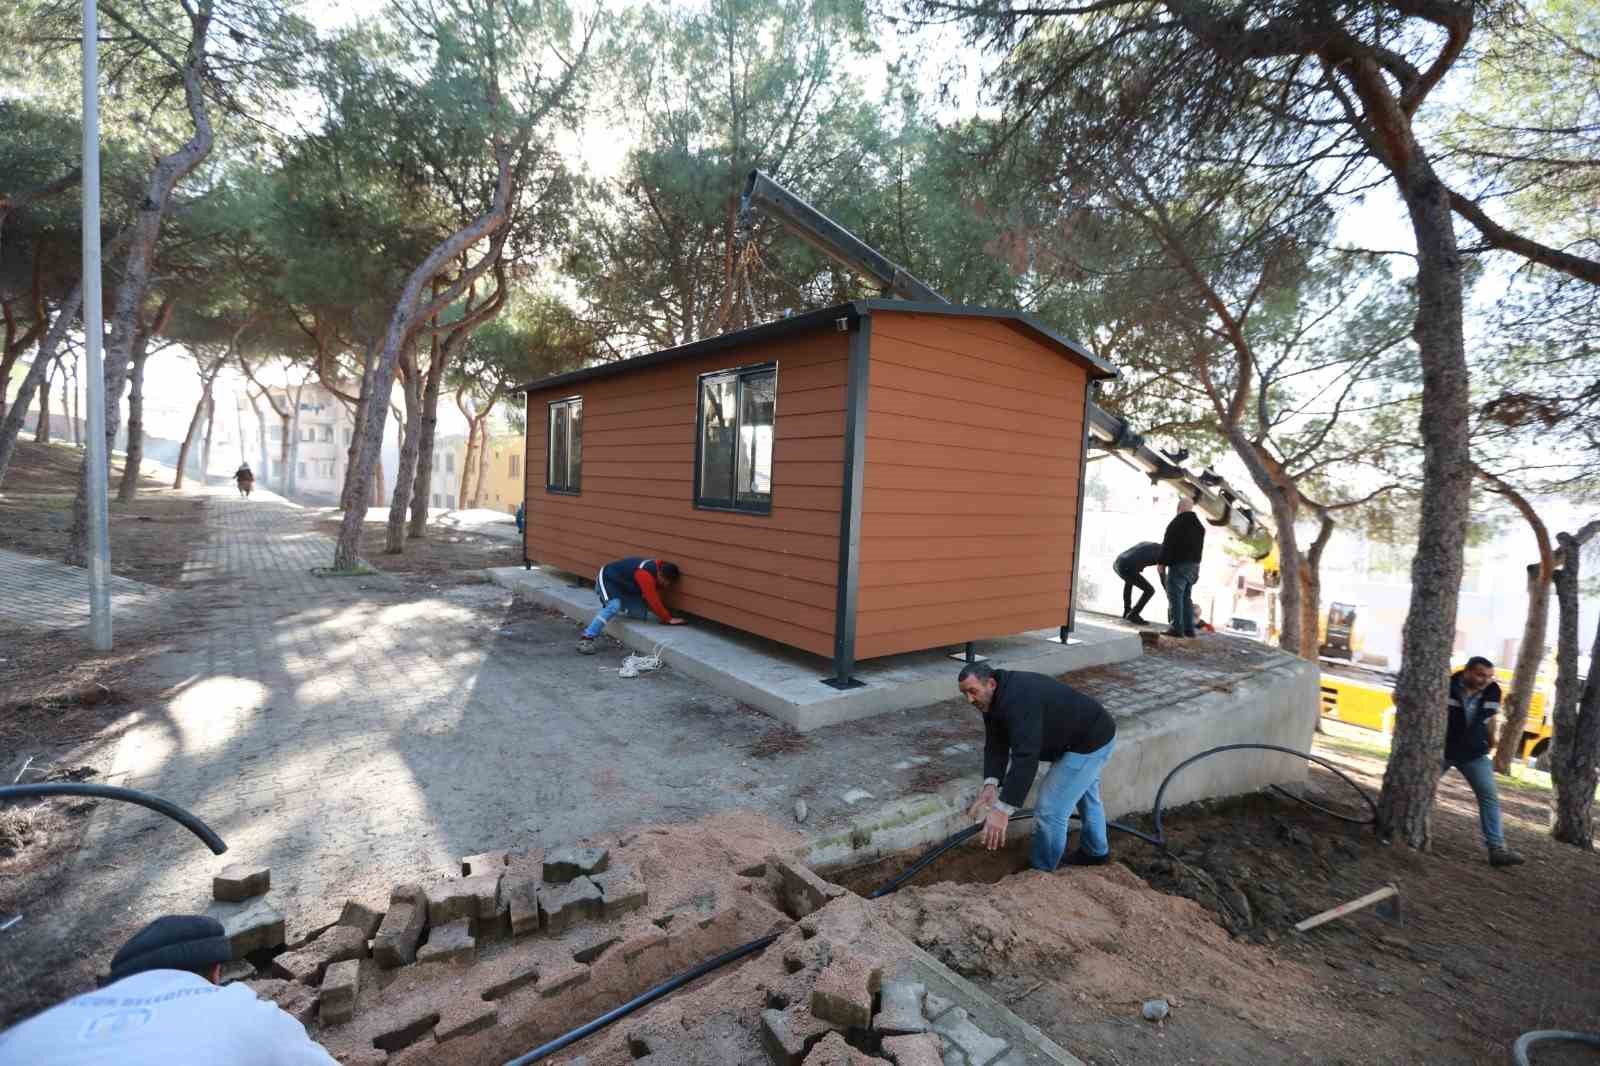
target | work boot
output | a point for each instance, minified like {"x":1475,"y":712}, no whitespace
{"x":1172,"y":633}
{"x":1138,"y":619}
{"x":588,"y":646}
{"x":1083,"y":858}
{"x":1505,"y":857}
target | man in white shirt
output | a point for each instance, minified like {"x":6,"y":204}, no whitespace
{"x":164,"y":1006}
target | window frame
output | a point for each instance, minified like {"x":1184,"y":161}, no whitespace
{"x":550,"y":486}
{"x":731,"y":504}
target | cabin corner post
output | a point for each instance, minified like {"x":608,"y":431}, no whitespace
{"x":1091,"y":389}
{"x":855,"y":457}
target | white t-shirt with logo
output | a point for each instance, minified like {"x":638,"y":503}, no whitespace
{"x":162,"y":1018}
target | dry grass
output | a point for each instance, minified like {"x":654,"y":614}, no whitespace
{"x":18,"y":829}
{"x":445,"y":556}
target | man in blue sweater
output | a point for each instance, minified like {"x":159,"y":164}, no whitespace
{"x":1472,"y":712}
{"x":1028,"y":718}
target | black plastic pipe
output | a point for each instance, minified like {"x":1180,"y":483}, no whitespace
{"x":1158,"y":839}
{"x":126,"y":795}
{"x":1519,"y":1050}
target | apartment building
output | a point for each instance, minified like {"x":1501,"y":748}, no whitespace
{"x":502,"y":472}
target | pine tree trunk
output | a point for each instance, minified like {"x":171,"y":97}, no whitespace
{"x":466,"y":460}
{"x":41,"y":430}
{"x":11,"y":426}
{"x":211,"y":424}
{"x":128,"y":487}
{"x":77,"y":429}
{"x":1412,"y":776}
{"x":430,"y":424}
{"x":188,"y":440}
{"x":405,"y":476}
{"x":348,"y":493}
{"x":283,"y":455}
{"x":1575,"y":743}
{"x":483,"y":468}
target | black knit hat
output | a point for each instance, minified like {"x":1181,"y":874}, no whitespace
{"x":176,"y":942}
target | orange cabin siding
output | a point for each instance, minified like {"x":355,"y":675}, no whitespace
{"x":970,"y":494}
{"x":969,"y":489}
{"x":774,"y":575}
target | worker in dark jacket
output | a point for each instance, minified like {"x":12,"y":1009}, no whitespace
{"x":1128,"y":567}
{"x":1473,"y":712}
{"x":629,"y":585}
{"x":1179,"y":567}
{"x":1026,"y":718}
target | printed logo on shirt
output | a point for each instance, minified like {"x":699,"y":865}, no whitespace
{"x":115,"y":1024}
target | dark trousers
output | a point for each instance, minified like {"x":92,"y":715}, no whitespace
{"x":1132,"y":579}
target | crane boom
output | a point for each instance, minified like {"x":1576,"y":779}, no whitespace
{"x":1213,"y":496}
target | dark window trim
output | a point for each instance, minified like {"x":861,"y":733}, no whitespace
{"x":738,"y":373}
{"x":550,"y":487}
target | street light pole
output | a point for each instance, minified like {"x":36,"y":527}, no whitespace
{"x":93,"y":333}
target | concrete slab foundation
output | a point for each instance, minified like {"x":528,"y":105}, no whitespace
{"x":787,"y":683}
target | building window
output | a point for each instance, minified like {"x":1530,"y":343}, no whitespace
{"x":326,"y":432}
{"x":349,"y":435}
{"x":436,"y":500}
{"x":450,"y":501}
{"x":301,"y":468}
{"x":327,"y":468}
{"x":516,"y":466}
{"x":733,"y":470}
{"x":566,"y":446}
{"x":449,"y":462}
{"x":308,"y":434}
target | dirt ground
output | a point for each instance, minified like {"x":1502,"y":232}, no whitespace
{"x":1482,"y":955}
{"x":445,"y":557}
{"x":36,"y":514}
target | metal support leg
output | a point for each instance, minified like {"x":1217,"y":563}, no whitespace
{"x":971,"y":658}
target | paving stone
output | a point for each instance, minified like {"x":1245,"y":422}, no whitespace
{"x":843,"y":992}
{"x":451,"y":942}
{"x":406,"y":1027}
{"x":920,"y":1049}
{"x":518,"y":975}
{"x":339,"y":990}
{"x":783,"y":1041}
{"x":363,"y":916}
{"x":567,"y":863}
{"x":237,"y":970}
{"x":490,"y":862}
{"x":295,"y":999}
{"x":596,"y":948}
{"x":306,"y":965}
{"x":934,"y":1005}
{"x":396,"y":942}
{"x":470,"y":897}
{"x":953,"y":1056}
{"x":366,"y":1056}
{"x":901,"y":1008}
{"x":566,"y":904}
{"x":621,"y":890}
{"x":463,"y":1017}
{"x":249,"y":926}
{"x":562,"y":977}
{"x":801,"y":891}
{"x":832,"y":1050}
{"x":240,"y":882}
{"x":520,"y":896}
{"x":978,"y":1046}
{"x":653,"y":938}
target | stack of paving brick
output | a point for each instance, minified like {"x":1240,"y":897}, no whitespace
{"x":834,"y":998}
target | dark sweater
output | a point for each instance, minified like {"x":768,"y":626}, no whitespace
{"x":1033,"y":718}
{"x":1145,"y":553}
{"x":1185,"y":540}
{"x":1465,"y":740}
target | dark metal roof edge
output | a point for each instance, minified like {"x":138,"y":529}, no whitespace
{"x":1024,"y":318}
{"x":782,"y":327}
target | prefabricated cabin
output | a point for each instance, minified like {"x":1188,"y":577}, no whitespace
{"x":871,"y":478}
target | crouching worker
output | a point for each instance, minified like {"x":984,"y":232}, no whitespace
{"x":629,"y":585}
{"x":1026,"y":718}
{"x":164,"y":1006}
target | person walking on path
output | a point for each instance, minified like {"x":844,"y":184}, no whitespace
{"x":1128,"y":567}
{"x":629,"y":585}
{"x":245,"y":478}
{"x":164,"y":1007}
{"x":1179,"y":567}
{"x":1473,"y":714}
{"x":1028,"y":717}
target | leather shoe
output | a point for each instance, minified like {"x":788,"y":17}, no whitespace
{"x":1083,"y":858}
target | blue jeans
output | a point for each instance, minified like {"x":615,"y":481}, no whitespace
{"x":1479,"y":773}
{"x":632,"y":606}
{"x":1073,"y":783}
{"x":1180,"y":583}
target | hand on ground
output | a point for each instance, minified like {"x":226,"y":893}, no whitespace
{"x":674,"y":621}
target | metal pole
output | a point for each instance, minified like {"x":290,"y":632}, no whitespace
{"x":93,"y":333}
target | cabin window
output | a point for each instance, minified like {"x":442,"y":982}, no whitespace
{"x":733,"y":470}
{"x":566,"y":445}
